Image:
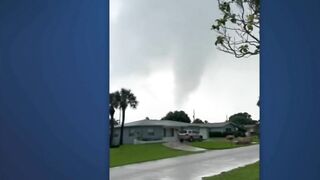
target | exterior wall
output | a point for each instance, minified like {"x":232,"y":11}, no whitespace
{"x":140,"y":133}
{"x":217,"y":129}
{"x":253,"y":129}
{"x":204,"y":132}
{"x":145,"y":133}
{"x":132,"y":135}
{"x":223,"y":129}
{"x":170,"y":134}
{"x":194,"y":128}
{"x":116,"y":136}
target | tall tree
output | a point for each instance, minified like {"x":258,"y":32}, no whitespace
{"x":198,"y":121}
{"x":242,"y":119}
{"x":114,"y":103}
{"x":238,"y":28}
{"x":179,"y":116}
{"x":127,"y":99}
{"x":111,"y":124}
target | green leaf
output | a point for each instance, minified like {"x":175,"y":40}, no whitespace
{"x":244,"y":48}
{"x":250,"y":17}
{"x":233,"y":18}
{"x":215,"y":27}
{"x":219,"y":40}
{"x":228,"y":7}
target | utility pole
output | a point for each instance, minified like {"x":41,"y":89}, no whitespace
{"x":194,"y":115}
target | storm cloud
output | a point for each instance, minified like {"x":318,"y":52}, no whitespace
{"x":148,"y":35}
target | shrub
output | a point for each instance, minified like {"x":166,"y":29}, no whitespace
{"x":243,"y":140}
{"x":230,"y":137}
{"x":239,"y":134}
{"x":224,"y":134}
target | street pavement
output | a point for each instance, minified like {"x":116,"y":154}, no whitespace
{"x":189,"y":167}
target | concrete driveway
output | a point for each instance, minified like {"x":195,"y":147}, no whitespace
{"x":189,"y":167}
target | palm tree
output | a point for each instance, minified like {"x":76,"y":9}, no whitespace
{"x":111,"y":122}
{"x":114,"y":103}
{"x":127,"y":98}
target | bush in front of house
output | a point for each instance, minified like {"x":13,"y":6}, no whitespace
{"x":243,"y":140}
{"x":239,"y":134}
{"x":224,"y":134}
{"x":230,"y":137}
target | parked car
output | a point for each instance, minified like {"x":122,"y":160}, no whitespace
{"x":189,"y":135}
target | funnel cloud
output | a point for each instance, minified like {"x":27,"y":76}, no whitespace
{"x":147,"y":37}
{"x":146,"y":33}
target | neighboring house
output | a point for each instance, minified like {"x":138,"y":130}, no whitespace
{"x":223,"y":127}
{"x":146,"y":131}
{"x":252,"y":128}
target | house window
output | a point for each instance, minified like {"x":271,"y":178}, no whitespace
{"x":228,"y":129}
{"x":150,"y":132}
{"x":131,"y":132}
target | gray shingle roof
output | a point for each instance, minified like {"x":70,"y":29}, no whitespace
{"x":157,"y":123}
{"x":168,"y":123}
{"x":220,"y":124}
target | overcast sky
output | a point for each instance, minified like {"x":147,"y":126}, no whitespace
{"x":164,"y":51}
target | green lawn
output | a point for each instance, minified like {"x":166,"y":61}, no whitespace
{"x":249,"y":172}
{"x":255,"y":139}
{"x":219,"y":143}
{"x":128,"y":154}
{"x":215,"y":143}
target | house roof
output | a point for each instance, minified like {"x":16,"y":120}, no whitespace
{"x":157,"y":123}
{"x":169,"y":123}
{"x":221,"y":124}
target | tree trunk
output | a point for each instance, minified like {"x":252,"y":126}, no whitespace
{"x":111,"y":122}
{"x":111,"y":131}
{"x":122,"y":126}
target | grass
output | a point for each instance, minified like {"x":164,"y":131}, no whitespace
{"x":215,"y":144}
{"x":128,"y":154}
{"x":249,"y":172}
{"x":219,"y":143}
{"x":255,"y":139}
